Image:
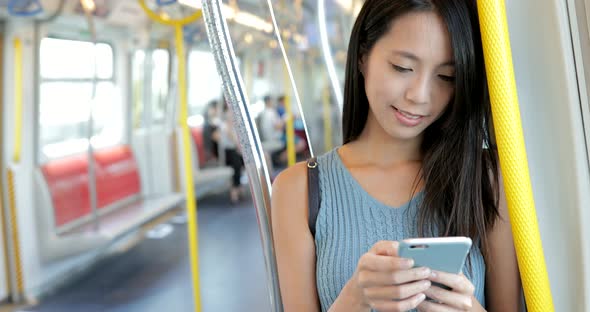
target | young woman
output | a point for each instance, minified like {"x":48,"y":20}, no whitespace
{"x":418,"y":160}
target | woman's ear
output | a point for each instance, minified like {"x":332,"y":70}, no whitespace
{"x":363,"y":64}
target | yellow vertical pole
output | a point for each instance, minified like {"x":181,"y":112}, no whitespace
{"x":12,"y":209}
{"x":20,"y":284}
{"x":289,"y":126}
{"x":191,"y":205}
{"x":512,"y":152}
{"x":18,"y":99}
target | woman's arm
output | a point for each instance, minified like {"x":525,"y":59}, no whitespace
{"x":294,"y":245}
{"x":382,"y":280}
{"x":503,"y":286}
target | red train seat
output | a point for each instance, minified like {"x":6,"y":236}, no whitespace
{"x":117,"y":175}
{"x":197,"y":134}
{"x":67,"y":181}
{"x":117,"y":178}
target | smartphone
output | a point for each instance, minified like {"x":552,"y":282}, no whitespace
{"x":445,"y":254}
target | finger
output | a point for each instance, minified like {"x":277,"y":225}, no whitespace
{"x":385,"y":248}
{"x":377,"y":279}
{"x":377,"y":263}
{"x":415,"y":274}
{"x":397,"y":292}
{"x":458,"y":282}
{"x":403,"y":305}
{"x":453,"y":299}
{"x":429,"y":306}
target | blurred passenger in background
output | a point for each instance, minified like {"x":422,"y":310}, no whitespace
{"x":280,"y":157}
{"x":233,"y":156}
{"x":211,"y":130}
{"x":271,"y":127}
{"x":270,"y":122}
{"x":281,"y":106}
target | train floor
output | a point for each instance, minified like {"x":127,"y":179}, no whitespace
{"x":154,"y":275}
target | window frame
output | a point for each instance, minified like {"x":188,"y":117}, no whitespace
{"x":146,"y":120}
{"x":107,"y":42}
{"x":40,"y":157}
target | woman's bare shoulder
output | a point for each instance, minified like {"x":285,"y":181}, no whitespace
{"x":289,"y":190}
{"x":293,"y":176}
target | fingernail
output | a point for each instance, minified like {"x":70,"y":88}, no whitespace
{"x":410,"y":262}
{"x":426,"y":272}
{"x":421,"y":297}
{"x":426,"y":284}
{"x":433,"y":274}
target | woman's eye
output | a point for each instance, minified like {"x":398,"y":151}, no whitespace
{"x":401,"y":69}
{"x":447,"y":78}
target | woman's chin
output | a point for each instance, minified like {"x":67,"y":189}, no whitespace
{"x":405,"y":134}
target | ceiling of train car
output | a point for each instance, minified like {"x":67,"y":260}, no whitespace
{"x":249,"y":20}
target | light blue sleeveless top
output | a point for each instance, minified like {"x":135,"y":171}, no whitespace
{"x":351,"y":221}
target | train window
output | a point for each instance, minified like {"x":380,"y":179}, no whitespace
{"x":66,"y":92}
{"x":160,"y":78}
{"x":138,"y":78}
{"x":204,"y":82}
{"x":69,"y":59}
{"x":159,"y":75}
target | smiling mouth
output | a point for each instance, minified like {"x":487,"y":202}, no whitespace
{"x":407,"y":114}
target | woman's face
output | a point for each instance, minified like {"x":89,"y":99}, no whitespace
{"x":409,"y":75}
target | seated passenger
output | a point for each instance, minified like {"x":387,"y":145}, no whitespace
{"x":211,"y":134}
{"x":416,"y":119}
{"x":233,"y":157}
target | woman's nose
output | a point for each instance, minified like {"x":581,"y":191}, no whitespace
{"x":418,"y":91}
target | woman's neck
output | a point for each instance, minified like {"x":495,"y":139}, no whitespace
{"x":378,"y":147}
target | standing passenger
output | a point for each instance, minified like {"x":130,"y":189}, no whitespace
{"x":281,"y":110}
{"x":271,"y":128}
{"x":271,"y":124}
{"x":415,"y":122}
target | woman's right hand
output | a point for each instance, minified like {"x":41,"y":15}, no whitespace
{"x":387,"y":283}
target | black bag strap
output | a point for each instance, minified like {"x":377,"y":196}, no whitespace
{"x":313,"y":192}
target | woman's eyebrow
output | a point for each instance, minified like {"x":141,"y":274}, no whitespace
{"x":406,"y":54}
{"x":413,"y":57}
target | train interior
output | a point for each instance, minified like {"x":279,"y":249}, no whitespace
{"x":96,"y":208}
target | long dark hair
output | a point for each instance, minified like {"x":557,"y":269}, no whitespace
{"x":459,"y":173}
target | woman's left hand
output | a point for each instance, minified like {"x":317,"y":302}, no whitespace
{"x":459,"y":298}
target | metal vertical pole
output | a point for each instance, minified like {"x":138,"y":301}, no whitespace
{"x":255,"y":163}
{"x":90,"y":131}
